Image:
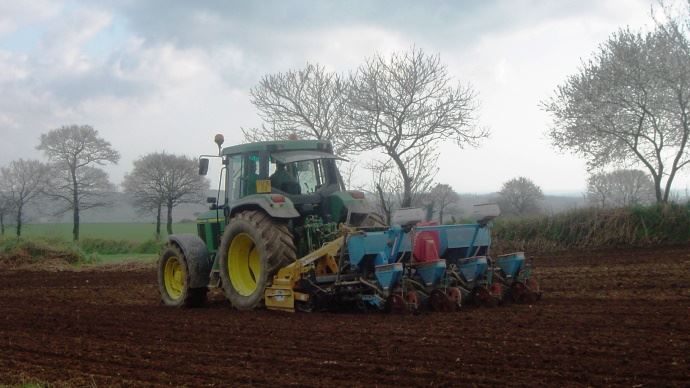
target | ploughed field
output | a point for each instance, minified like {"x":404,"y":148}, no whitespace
{"x":607,"y":318}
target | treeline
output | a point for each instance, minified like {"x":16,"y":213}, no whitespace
{"x":72,"y":181}
{"x":591,"y":228}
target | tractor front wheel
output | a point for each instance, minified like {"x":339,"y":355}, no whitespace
{"x":253,"y":248}
{"x":173,"y":280}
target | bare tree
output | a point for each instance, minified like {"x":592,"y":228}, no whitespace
{"x":422,"y":167}
{"x":403,"y":106}
{"x":6,"y":206}
{"x":93,"y":189}
{"x":620,"y":188}
{"x":307,"y":103}
{"x":74,"y":151}
{"x":387,"y":186}
{"x":160,"y":179}
{"x":384,"y":186}
{"x":21,"y":184}
{"x":145,"y":183}
{"x":182,"y":184}
{"x":520,"y":196}
{"x":630,"y":104}
{"x":441,"y":197}
{"x":348,"y":172}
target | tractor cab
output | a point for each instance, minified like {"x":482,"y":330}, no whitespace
{"x":290,"y":179}
{"x":297,"y":174}
{"x":306,"y":177}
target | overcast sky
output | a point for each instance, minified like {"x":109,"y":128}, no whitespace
{"x":168,"y":75}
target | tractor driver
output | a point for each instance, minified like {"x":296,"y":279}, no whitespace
{"x":282,"y":180}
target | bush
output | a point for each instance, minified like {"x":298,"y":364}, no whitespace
{"x":31,"y":250}
{"x":103,"y":246}
{"x":638,"y":226}
{"x":27,"y":251}
{"x":148,"y":246}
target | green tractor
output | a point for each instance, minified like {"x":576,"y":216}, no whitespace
{"x":280,"y":200}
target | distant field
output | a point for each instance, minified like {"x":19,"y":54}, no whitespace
{"x":109,"y":231}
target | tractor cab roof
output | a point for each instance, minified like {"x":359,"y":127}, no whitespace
{"x":281,"y":146}
{"x":286,"y":157}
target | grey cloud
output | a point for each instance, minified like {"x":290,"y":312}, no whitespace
{"x":264,"y":31}
{"x":254,"y":24}
{"x":74,"y":88}
{"x":70,"y":87}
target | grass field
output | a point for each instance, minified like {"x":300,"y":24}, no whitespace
{"x":111,"y":231}
{"x":101,"y":243}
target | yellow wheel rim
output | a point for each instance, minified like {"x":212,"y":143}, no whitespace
{"x":173,"y":276}
{"x":244,"y":264}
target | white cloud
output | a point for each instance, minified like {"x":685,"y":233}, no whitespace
{"x":62,"y":46}
{"x":501,"y":71}
{"x":13,"y":67}
{"x":16,"y":14}
{"x":343,"y":48}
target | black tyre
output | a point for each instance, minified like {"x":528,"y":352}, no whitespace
{"x":253,"y":248}
{"x":173,"y":280}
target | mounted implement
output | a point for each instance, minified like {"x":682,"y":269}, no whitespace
{"x":285,"y":199}
{"x":403,"y":268}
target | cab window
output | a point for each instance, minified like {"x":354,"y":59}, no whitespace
{"x":234,"y":174}
{"x":308,"y":174}
{"x":243,"y":172}
{"x":251,"y":173}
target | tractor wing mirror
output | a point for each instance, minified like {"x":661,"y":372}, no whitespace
{"x":203,"y":166}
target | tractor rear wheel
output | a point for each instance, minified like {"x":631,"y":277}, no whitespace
{"x":253,"y":248}
{"x":173,"y":280}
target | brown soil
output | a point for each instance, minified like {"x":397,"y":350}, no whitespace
{"x":607,"y":318}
